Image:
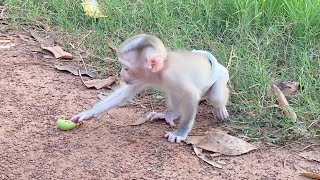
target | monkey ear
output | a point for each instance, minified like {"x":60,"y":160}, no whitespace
{"x":155,"y":63}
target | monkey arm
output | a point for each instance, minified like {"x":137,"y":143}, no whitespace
{"x":121,"y":95}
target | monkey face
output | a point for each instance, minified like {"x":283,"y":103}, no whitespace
{"x":132,"y":74}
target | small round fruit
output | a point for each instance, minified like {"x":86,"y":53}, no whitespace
{"x":65,"y":124}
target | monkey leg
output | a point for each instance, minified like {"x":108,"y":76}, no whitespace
{"x":188,"y":114}
{"x":218,"y":97}
{"x":169,"y":116}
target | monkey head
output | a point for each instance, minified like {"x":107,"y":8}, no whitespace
{"x":140,"y":65}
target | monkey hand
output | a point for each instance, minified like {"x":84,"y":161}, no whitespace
{"x":173,"y":137}
{"x":222,"y":113}
{"x":169,"y":117}
{"x":86,"y":115}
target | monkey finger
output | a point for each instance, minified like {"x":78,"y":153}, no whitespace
{"x":224,"y":113}
{"x":172,"y":137}
{"x":75,"y":118}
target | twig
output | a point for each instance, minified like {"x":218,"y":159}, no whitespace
{"x":285,"y":160}
{"x":308,"y":147}
{"x":84,"y":64}
{"x":81,"y":77}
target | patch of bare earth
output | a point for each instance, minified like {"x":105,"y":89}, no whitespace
{"x":34,"y":94}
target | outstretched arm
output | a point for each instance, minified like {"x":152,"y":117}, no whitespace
{"x":121,"y":95}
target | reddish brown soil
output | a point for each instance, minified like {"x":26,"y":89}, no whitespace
{"x":34,"y":94}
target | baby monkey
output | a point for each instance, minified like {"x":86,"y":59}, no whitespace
{"x":185,"y":76}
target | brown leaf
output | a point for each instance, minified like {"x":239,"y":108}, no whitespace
{"x":113,"y":47}
{"x":220,"y":142}
{"x":100,"y":83}
{"x":58,"y":52}
{"x":283,"y":103}
{"x":215,"y":155}
{"x":74,"y":69}
{"x":311,"y":175}
{"x":287,"y":88}
{"x":46,"y":41}
{"x":139,"y":121}
{"x":311,"y":155}
{"x":198,"y":152}
{"x":193,"y":139}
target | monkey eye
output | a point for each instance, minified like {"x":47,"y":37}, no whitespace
{"x":126,"y":69}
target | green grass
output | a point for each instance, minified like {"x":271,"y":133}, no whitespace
{"x":260,"y":41}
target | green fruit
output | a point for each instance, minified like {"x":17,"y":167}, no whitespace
{"x":65,"y":124}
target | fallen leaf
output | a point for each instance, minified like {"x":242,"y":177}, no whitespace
{"x":311,"y":175}
{"x":287,"y":88}
{"x":221,"y":162}
{"x":100,"y":83}
{"x":198,"y":152}
{"x":283,"y":103}
{"x":215,"y":155}
{"x":139,"y":121}
{"x":311,"y":155}
{"x":46,"y":41}
{"x":74,"y":69}
{"x":193,"y":139}
{"x":113,"y":47}
{"x":58,"y":52}
{"x":221,"y":142}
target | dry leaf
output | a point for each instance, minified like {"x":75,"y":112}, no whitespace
{"x":287,"y":88}
{"x":193,"y":139}
{"x":100,"y":83}
{"x":46,"y":41}
{"x":311,"y":155}
{"x":221,"y":162}
{"x":58,"y":52}
{"x":113,"y":47}
{"x":215,"y":155}
{"x":139,"y":121}
{"x":74,"y":69}
{"x":283,"y":103}
{"x":205,"y":158}
{"x":311,"y":175}
{"x":226,"y":144}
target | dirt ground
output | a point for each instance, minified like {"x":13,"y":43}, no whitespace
{"x":34,"y":94}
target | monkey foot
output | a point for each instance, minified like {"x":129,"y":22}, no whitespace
{"x":172,"y":137}
{"x":167,"y":116}
{"x":222,"y":113}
